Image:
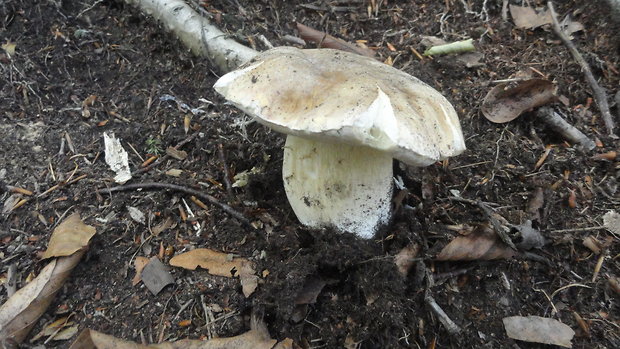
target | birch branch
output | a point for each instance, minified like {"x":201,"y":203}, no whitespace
{"x":197,"y":33}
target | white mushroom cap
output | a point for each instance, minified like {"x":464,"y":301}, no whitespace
{"x":344,"y":97}
{"x":346,"y":116}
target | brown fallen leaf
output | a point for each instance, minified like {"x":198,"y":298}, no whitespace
{"x":159,"y":228}
{"x":69,"y":236}
{"x":221,"y":264}
{"x":535,"y":205}
{"x":328,"y":41}
{"x":482,"y":244}
{"x":404,"y":258}
{"x":254,"y":339}
{"x":538,"y":329}
{"x":526,"y":17}
{"x":504,"y":102}
{"x":139,"y":263}
{"x":22,"y":310}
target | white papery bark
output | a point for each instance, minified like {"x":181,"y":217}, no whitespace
{"x":195,"y":31}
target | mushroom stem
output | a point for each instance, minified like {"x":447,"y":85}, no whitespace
{"x":334,"y":184}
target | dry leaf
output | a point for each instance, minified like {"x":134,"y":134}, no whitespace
{"x":9,"y":48}
{"x":471,"y":60}
{"x":69,"y":236}
{"x":221,"y":264}
{"x":156,"y":276}
{"x":482,"y":244}
{"x":527,"y":18}
{"x":254,"y":339}
{"x":505,"y":103}
{"x":611,"y":221}
{"x":139,"y":264}
{"x":535,"y":205}
{"x":328,"y":41}
{"x":176,"y":154}
{"x":167,"y":224}
{"x":23,"y":309}
{"x":404,"y":259}
{"x":66,"y":333}
{"x":528,"y":237}
{"x":538,"y":330}
{"x":136,"y":214}
{"x":217,"y":263}
{"x":52,"y":328}
{"x":311,"y":290}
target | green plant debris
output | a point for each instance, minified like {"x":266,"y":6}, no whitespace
{"x":453,"y":47}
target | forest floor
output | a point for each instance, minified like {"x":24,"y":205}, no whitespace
{"x":80,"y":70}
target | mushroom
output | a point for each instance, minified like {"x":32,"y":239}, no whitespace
{"x":346,"y":117}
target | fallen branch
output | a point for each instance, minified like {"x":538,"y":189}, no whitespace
{"x":151,"y":185}
{"x":598,"y":93}
{"x":190,"y":27}
{"x":561,"y":126}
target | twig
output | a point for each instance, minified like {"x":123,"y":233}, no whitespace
{"x":452,"y":328}
{"x":568,"y":131}
{"x":488,"y":211}
{"x":220,"y":153}
{"x":165,"y":157}
{"x":598,"y":93}
{"x":207,"y":197}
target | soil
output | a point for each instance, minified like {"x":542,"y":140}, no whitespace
{"x":51,"y":132}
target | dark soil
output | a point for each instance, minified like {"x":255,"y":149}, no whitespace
{"x":67,"y":51}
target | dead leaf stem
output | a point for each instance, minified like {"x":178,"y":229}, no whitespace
{"x":598,"y":93}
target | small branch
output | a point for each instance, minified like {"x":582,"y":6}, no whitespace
{"x":561,"y":126}
{"x":151,"y":185}
{"x":598,"y":93}
{"x":179,"y":18}
{"x":452,"y":328}
{"x":220,"y":153}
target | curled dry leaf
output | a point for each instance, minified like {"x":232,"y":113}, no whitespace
{"x":23,"y":309}
{"x":221,"y":264}
{"x":254,"y":339}
{"x":506,"y":102}
{"x":538,"y":330}
{"x":528,"y":236}
{"x":69,"y":236}
{"x":155,"y":275}
{"x":482,"y":244}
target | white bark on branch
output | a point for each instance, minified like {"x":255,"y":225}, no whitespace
{"x":195,"y":31}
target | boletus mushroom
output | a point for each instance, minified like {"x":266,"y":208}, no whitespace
{"x":346,"y":118}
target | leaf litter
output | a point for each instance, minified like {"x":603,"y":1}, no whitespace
{"x":221,"y":264}
{"x":538,"y":329}
{"x":22,"y":310}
